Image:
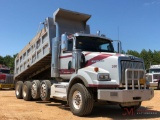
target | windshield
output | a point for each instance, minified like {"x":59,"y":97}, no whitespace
{"x":154,"y":70}
{"x":4,"y":71}
{"x":94,"y":44}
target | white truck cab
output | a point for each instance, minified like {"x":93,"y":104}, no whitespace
{"x":153,"y":77}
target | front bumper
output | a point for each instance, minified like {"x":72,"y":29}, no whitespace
{"x":6,"y":86}
{"x":153,"y":84}
{"x":125,"y":95}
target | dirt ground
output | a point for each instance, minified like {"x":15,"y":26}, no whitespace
{"x":12,"y":108}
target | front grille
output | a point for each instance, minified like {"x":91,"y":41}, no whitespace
{"x":149,"y":78}
{"x":156,"y":76}
{"x":131,"y":65}
{"x":9,"y":79}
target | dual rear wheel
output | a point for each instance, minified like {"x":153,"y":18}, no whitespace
{"x":33,"y":90}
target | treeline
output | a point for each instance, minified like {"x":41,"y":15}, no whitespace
{"x":149,"y":57}
{"x":8,"y":61}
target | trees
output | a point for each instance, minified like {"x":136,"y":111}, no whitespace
{"x":146,"y":57}
{"x":8,"y":61}
{"x":156,"y":58}
{"x":134,"y":53}
{"x":149,"y":57}
{"x":1,"y":60}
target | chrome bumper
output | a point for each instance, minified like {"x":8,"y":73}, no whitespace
{"x":125,"y":95}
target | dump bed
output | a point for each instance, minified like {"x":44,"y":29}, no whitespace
{"x":36,"y":55}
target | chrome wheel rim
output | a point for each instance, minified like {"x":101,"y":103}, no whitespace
{"x":77,"y":99}
{"x":43,"y":90}
{"x":34,"y":90}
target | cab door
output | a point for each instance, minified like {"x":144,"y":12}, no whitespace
{"x":65,"y":60}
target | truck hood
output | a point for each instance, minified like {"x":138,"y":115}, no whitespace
{"x":96,"y":57}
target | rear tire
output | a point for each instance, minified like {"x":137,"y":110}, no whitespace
{"x":45,"y":90}
{"x":80,"y":100}
{"x":26,"y":91}
{"x":35,"y":89}
{"x":18,"y":90}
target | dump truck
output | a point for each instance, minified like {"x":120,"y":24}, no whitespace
{"x":6,"y":78}
{"x":153,"y":76}
{"x":64,"y":61}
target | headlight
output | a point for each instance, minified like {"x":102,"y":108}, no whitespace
{"x":104,"y":77}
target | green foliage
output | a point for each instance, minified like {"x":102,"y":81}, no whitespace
{"x":144,"y":55}
{"x":8,"y":61}
{"x":149,"y":57}
{"x":134,"y":53}
{"x":1,"y":60}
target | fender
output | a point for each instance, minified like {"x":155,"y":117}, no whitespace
{"x":86,"y":76}
{"x":80,"y":77}
{"x":76,"y":77}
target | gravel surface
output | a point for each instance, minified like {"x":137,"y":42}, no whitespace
{"x":12,"y":108}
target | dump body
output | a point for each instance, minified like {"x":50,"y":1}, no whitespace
{"x":35,"y":58}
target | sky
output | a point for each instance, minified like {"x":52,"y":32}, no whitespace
{"x":135,"y":22}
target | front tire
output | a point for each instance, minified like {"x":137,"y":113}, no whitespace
{"x":80,"y":100}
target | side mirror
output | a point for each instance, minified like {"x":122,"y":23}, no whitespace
{"x":64,"y":42}
{"x":119,"y":46}
{"x":76,"y":59}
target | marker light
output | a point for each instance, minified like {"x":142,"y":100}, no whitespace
{"x":96,"y":69}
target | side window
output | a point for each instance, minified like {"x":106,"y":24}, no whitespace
{"x":109,"y":47}
{"x":105,"y":47}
